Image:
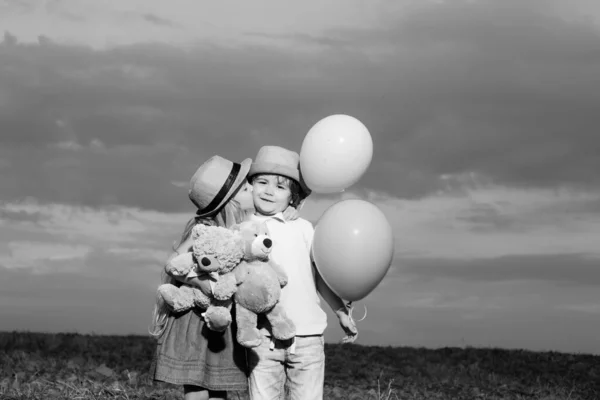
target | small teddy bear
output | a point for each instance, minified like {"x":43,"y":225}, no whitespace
{"x":216,"y":252}
{"x":259,"y":288}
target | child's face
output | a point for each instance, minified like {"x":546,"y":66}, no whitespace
{"x":271,"y":194}
{"x":244,"y":197}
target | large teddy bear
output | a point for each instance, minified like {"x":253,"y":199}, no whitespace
{"x":216,"y":252}
{"x":259,"y":288}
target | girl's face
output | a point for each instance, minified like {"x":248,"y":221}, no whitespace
{"x":244,"y":196}
{"x":271,"y":194}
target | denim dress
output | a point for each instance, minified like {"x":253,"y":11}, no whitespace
{"x":189,"y":353}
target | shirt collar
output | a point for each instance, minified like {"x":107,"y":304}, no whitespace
{"x":277,"y":217}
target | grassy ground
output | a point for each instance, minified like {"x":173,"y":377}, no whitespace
{"x":72,"y":366}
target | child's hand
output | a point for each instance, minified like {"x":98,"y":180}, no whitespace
{"x":346,"y":322}
{"x":291,"y":214}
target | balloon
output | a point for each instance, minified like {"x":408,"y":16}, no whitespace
{"x":335,"y":154}
{"x":353,"y":247}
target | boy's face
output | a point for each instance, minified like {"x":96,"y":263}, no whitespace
{"x":271,"y":194}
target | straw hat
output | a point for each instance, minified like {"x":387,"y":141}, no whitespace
{"x":279,"y":161}
{"x":276,"y":160}
{"x":215,"y":182}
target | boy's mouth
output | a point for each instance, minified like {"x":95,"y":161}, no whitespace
{"x":267,"y":200}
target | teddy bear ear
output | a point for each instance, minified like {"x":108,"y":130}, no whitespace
{"x":198,"y":229}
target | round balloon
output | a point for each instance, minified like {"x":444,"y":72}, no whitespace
{"x":353,"y":248}
{"x":335,"y":154}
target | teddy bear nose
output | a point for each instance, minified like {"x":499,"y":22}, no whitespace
{"x":268,"y":243}
{"x":205,"y":261}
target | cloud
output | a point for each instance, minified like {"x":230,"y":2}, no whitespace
{"x":457,"y":224}
{"x":43,"y":257}
{"x":181,"y":22}
{"x":139,"y":253}
{"x":69,"y":145}
{"x":73,"y":302}
{"x":483,"y":116}
{"x":10,"y":214}
{"x":75,"y":174}
{"x":49,"y":238}
{"x":155,"y":19}
{"x":445,"y":311}
{"x":484,"y":228}
{"x":589,"y":308}
{"x":506,"y":91}
{"x":573,"y":269}
{"x":439,"y":278}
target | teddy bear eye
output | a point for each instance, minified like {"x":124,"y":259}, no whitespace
{"x":205,"y":261}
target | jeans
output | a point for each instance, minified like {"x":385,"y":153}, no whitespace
{"x":299,"y":374}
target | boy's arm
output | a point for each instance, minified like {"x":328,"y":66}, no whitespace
{"x":336,"y":303}
{"x":202,"y":282}
{"x":333,"y":300}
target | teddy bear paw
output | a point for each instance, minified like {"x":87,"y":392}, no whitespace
{"x":171,"y":296}
{"x":249,"y":338}
{"x":283,"y":327}
{"x":217,"y":318}
{"x":284,"y":331}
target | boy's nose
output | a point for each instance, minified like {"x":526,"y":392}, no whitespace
{"x":268,"y":243}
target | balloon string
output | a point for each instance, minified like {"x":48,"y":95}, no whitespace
{"x":352,"y":308}
{"x":352,"y":338}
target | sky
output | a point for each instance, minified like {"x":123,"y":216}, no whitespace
{"x":484,"y":117}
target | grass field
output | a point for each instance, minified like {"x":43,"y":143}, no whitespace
{"x":73,"y":366}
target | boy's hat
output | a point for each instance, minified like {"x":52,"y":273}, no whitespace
{"x":276,"y":160}
{"x":215,"y":182}
{"x":279,"y":161}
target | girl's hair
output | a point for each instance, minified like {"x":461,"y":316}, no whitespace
{"x":230,"y":214}
{"x":297,"y":193}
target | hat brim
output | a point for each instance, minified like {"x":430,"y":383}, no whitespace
{"x":239,"y":180}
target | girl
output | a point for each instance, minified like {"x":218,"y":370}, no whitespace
{"x":206,"y":363}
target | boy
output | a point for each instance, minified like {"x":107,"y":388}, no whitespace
{"x":300,"y":363}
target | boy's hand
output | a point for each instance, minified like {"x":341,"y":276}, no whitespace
{"x":346,"y":322}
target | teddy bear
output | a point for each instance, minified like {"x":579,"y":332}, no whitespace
{"x":216,"y":252}
{"x":259,"y":283}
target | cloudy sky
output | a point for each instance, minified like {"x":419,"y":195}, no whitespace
{"x":484,"y":116}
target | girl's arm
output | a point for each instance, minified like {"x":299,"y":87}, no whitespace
{"x":201,"y":282}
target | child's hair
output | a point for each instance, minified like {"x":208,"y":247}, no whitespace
{"x":295,"y":189}
{"x":231,"y":214}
